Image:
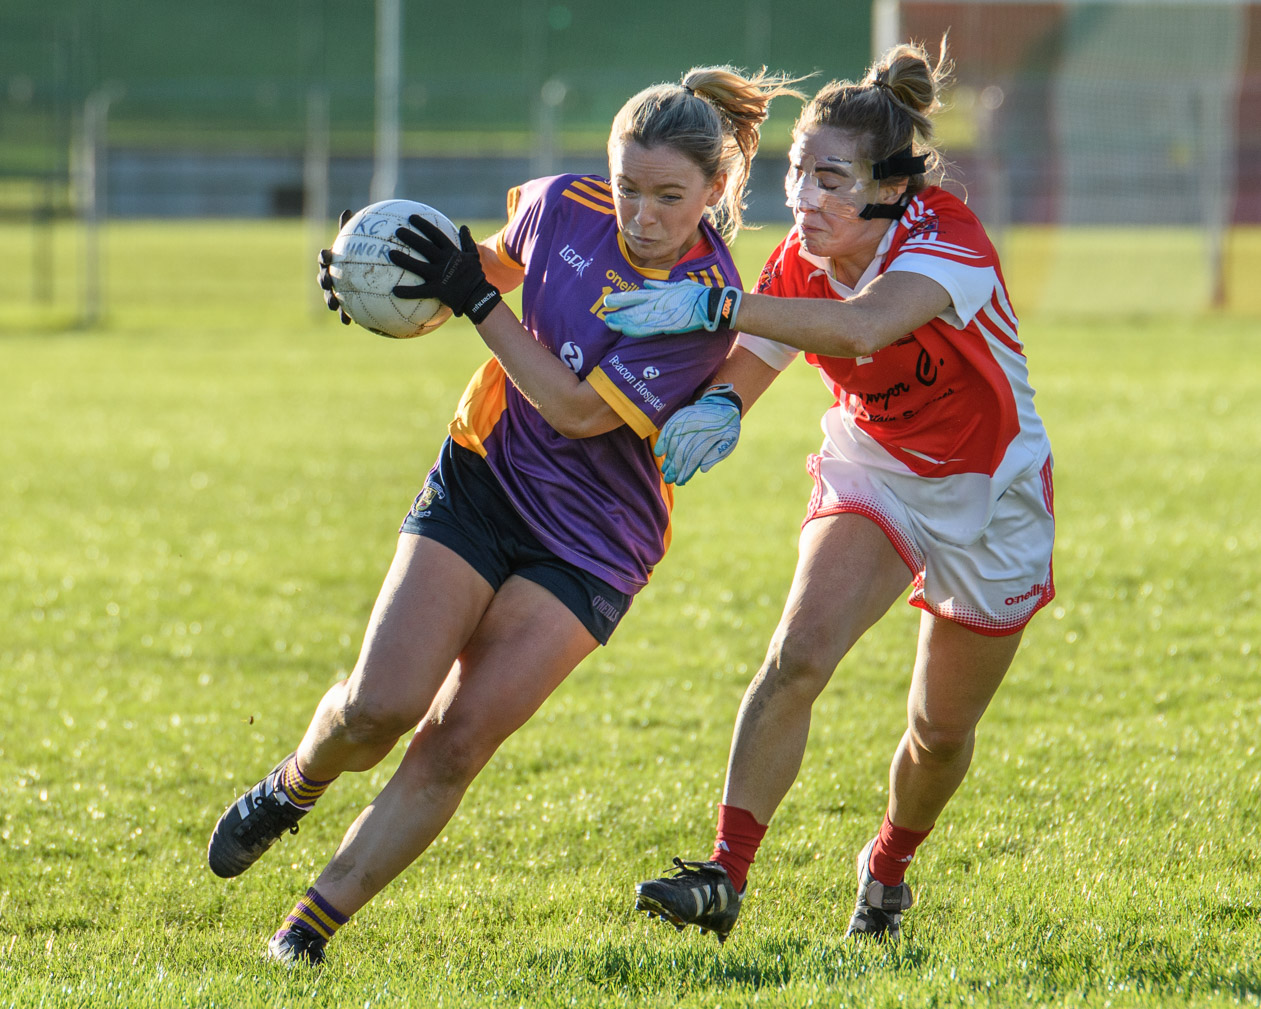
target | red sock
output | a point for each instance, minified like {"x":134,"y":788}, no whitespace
{"x":893,"y":851}
{"x":739,"y":835}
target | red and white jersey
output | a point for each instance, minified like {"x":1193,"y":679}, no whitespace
{"x":949,"y":405}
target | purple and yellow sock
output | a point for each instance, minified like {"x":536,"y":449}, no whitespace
{"x":301,"y":790}
{"x":314,"y":914}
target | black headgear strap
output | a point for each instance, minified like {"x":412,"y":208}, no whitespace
{"x":901,"y":163}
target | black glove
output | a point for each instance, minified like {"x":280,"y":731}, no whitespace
{"x":325,"y":260}
{"x":452,"y":274}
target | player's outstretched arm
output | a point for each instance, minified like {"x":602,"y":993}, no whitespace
{"x":662,"y":306}
{"x":888,"y":308}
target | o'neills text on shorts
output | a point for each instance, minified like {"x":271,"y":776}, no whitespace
{"x":605,"y":608}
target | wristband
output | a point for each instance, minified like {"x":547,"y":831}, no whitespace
{"x":481,"y":302}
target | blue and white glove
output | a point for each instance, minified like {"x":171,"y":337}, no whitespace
{"x":700,"y":435}
{"x":663,"y":306}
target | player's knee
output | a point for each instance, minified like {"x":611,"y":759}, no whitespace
{"x":369,"y":721}
{"x":448,"y":754}
{"x":939,"y":742}
{"x":800,"y":662}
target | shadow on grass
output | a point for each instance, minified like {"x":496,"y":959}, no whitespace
{"x":775,"y":963}
{"x":695,"y":966}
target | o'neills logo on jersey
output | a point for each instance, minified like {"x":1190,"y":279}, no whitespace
{"x":575,"y":259}
{"x":637,"y":383}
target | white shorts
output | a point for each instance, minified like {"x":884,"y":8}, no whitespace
{"x":992,"y":585}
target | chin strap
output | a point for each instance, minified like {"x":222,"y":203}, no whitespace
{"x":901,"y":163}
{"x":889,"y":211}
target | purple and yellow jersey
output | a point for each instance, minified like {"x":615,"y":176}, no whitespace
{"x":598,"y":502}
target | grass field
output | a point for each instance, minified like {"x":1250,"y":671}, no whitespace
{"x":198,"y":503}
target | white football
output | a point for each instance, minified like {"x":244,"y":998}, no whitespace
{"x":364,"y":278}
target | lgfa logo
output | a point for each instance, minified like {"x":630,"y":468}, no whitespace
{"x":575,"y":259}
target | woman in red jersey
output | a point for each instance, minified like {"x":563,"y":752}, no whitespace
{"x":935,"y":471}
{"x":545,"y":512}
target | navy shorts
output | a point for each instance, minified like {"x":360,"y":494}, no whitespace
{"x":463,"y":507}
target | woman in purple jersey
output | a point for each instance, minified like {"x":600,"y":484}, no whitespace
{"x":494,"y":595}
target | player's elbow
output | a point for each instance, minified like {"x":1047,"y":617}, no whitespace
{"x":570,"y":427}
{"x":865,"y":341}
{"x":574,"y":421}
{"x":581,"y":413}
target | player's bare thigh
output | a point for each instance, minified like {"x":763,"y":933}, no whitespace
{"x":525,"y":646}
{"x":957,"y":672}
{"x":848,"y":575}
{"x":430,"y":604}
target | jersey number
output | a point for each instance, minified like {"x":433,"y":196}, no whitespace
{"x":598,"y":309}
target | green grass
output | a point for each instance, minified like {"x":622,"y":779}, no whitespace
{"x":200,"y":499}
